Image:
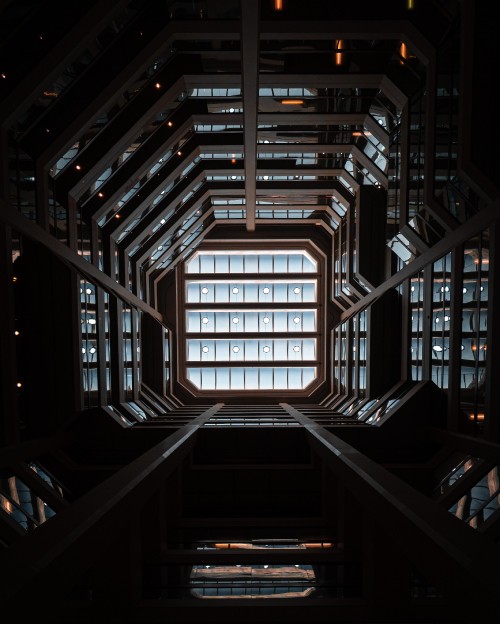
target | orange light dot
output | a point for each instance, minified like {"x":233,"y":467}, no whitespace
{"x":100,"y":194}
{"x":19,"y":384}
{"x":78,"y":168}
{"x":233,"y":160}
{"x":170,"y":124}
{"x":179,"y":153}
{"x":117,"y":216}
{"x":14,"y":278}
{"x":16,"y":333}
{"x":158,"y":85}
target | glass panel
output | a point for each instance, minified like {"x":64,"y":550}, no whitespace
{"x":441,"y":320}
{"x":481,"y":501}
{"x":474,"y":351}
{"x":416,"y":296}
{"x":250,"y":378}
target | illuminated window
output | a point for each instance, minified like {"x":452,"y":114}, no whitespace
{"x":250,"y":580}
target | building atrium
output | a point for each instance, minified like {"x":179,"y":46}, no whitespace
{"x":249,"y":346}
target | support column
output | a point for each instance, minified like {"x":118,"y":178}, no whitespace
{"x":250,"y":85}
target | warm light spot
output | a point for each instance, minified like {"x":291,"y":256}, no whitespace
{"x":474,"y":348}
{"x":3,"y":75}
{"x":480,"y":416}
{"x":117,"y":216}
{"x":14,"y":278}
{"x":158,"y":85}
{"x":19,"y":384}
{"x":339,"y":45}
{"x":78,"y":168}
{"x":100,"y":194}
{"x":170,"y":124}
{"x":292,"y":102}
{"x":356,"y":134}
{"x":278,"y":5}
{"x":179,"y":153}
{"x":50,"y":94}
{"x":233,"y":160}
{"x":16,"y":333}
{"x":410,"y":4}
{"x":403,"y":51}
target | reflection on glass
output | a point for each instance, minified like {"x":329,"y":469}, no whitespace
{"x":481,"y":501}
{"x":474,"y":348}
{"x":254,"y":580}
{"x":456,"y":473}
{"x":416,"y":296}
{"x":441,"y":320}
{"x":22,"y":504}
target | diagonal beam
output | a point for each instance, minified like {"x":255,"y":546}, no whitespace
{"x":460,"y":560}
{"x":58,"y":551}
{"x":250,"y":84}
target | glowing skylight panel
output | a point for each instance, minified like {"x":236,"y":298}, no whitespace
{"x":251,"y":319}
{"x":248,"y":262}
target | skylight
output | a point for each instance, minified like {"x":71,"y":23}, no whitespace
{"x":251,"y":319}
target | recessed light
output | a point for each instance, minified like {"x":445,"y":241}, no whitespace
{"x":236,"y":320}
{"x":205,"y":349}
{"x":266,"y":349}
{"x":204,"y":320}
